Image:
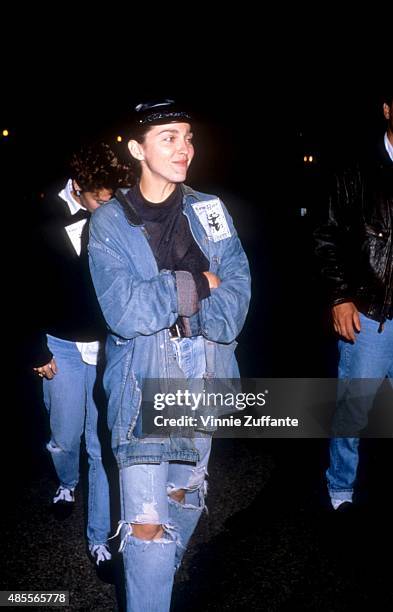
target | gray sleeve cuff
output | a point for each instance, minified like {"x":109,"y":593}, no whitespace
{"x":187,"y":295}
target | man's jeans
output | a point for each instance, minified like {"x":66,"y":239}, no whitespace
{"x":371,"y":356}
{"x":70,"y":398}
{"x":150,"y":564}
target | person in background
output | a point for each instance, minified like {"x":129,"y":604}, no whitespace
{"x":355,"y":252}
{"x":67,"y":333}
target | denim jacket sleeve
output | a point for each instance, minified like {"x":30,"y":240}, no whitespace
{"x":131,"y":304}
{"x":222,"y":315}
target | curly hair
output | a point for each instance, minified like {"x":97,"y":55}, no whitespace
{"x":96,"y":167}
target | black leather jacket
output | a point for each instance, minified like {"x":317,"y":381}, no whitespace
{"x":355,"y":244}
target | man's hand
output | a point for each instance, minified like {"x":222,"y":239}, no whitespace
{"x":213,"y":279}
{"x":346,"y":320}
{"x":47,"y":371}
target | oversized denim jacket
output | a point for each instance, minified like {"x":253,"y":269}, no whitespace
{"x":139,"y":303}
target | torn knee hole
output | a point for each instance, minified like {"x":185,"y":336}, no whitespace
{"x":178,"y":495}
{"x":146,"y":531}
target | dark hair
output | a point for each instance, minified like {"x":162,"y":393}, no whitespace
{"x":386,"y":94}
{"x":96,"y":167}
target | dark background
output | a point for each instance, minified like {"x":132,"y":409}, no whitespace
{"x":256,"y":117}
{"x":259,"y":107}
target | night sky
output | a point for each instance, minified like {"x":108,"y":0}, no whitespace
{"x":259,"y":104}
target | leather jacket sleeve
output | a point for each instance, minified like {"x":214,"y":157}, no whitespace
{"x":336,"y":234}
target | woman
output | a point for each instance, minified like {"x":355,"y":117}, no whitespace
{"x":173,"y":283}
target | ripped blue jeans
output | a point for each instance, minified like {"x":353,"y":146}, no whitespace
{"x":73,"y":400}
{"x":145,"y":491}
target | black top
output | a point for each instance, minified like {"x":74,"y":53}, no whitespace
{"x":63,"y":302}
{"x":170,"y":237}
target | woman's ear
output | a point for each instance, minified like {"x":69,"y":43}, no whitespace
{"x":76,"y":188}
{"x":136,"y":150}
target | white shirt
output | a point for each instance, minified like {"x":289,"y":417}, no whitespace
{"x":389,"y":146}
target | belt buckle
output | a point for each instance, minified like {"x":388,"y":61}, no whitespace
{"x":174,"y":332}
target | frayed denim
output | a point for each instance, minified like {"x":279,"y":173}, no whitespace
{"x":70,"y":399}
{"x":146,"y":491}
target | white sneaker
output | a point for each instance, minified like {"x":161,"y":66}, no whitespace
{"x":100,"y":553}
{"x":63,"y":503}
{"x":342,"y":505}
{"x":64,"y":494}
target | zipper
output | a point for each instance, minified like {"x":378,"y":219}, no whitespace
{"x":389,"y":285}
{"x":390,"y":280}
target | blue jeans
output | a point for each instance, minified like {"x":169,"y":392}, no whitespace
{"x":70,"y":398}
{"x":371,"y":357}
{"x":150,"y":565}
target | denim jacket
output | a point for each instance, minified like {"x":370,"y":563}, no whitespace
{"x":140,"y":303}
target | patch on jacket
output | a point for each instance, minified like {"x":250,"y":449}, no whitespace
{"x":212,"y":217}
{"x":74,"y":232}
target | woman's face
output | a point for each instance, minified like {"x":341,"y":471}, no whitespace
{"x":93,"y":199}
{"x":166,"y":152}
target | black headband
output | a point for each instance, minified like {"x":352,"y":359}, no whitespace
{"x":159,"y":112}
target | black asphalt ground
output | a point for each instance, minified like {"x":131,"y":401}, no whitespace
{"x":268,"y":542}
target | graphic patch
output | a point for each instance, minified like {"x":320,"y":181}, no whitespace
{"x":212,"y":217}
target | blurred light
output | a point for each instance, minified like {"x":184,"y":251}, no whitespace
{"x":310,"y":159}
{"x":5,"y":133}
{"x":305,"y":158}
{"x":119,"y":139}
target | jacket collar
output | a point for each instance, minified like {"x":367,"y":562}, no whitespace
{"x":131,"y":214}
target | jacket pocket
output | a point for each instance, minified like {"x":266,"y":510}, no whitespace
{"x":375,"y":250}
